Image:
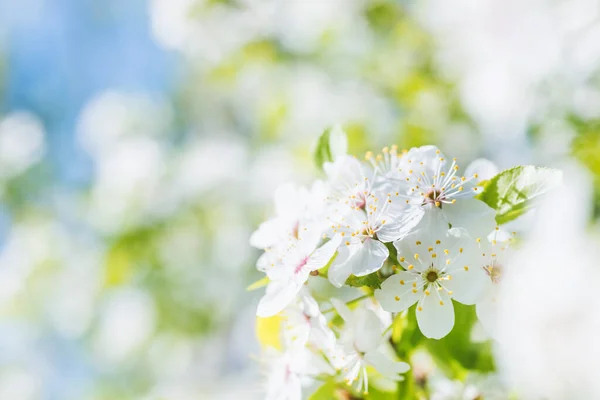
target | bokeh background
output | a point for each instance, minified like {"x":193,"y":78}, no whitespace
{"x":141,"y":142}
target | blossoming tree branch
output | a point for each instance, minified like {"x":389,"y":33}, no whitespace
{"x":419,"y":237}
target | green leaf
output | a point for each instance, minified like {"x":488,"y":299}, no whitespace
{"x":325,"y":392}
{"x":331,"y":144}
{"x":258,"y":284}
{"x":372,"y":280}
{"x":513,"y":192}
{"x":456,"y":353}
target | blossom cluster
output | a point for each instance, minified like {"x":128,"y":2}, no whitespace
{"x":409,"y":219}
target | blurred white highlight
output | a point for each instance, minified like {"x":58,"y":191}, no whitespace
{"x":548,"y":317}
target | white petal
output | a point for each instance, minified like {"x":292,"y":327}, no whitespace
{"x":429,"y":155}
{"x":342,"y":309}
{"x":386,"y":367}
{"x":367,"y":334}
{"x":433,"y":224}
{"x":467,"y":286}
{"x":436,"y":319}
{"x":340,"y":268}
{"x":369,"y":257}
{"x":267,"y":234}
{"x":321,"y":335}
{"x":487,"y":311}
{"x":320,"y":257}
{"x":471,"y":214}
{"x":396,"y":293}
{"x":485,"y":169}
{"x":344,"y":173}
{"x":400,"y":225}
{"x":277,"y":296}
{"x":266,"y":261}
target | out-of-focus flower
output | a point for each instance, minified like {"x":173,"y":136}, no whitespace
{"x":127,"y":321}
{"x":474,"y":387}
{"x":493,"y":256}
{"x":289,"y":371}
{"x":21,"y":143}
{"x":305,"y":324}
{"x":362,"y":345}
{"x":547,"y":327}
{"x":113,"y":116}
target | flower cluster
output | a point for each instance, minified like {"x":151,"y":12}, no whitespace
{"x":410,"y":220}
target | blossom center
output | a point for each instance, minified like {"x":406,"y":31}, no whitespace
{"x":368,"y":231}
{"x":359,"y":200}
{"x":434,"y":196}
{"x":431,"y":276}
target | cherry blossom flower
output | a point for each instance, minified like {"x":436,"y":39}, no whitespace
{"x":289,"y":371}
{"x":433,"y":183}
{"x":364,"y":231}
{"x":288,"y":272}
{"x":304,"y":324}
{"x":295,"y":208}
{"x":362,"y":345}
{"x":437,"y":269}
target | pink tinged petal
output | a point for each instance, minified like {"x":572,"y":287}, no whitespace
{"x":400,"y":226}
{"x":467,"y":286}
{"x":367,"y":334}
{"x":396,"y":293}
{"x":436,"y":315}
{"x":369,"y":257}
{"x":475,"y":216}
{"x":386,"y":367}
{"x":320,"y":257}
{"x":342,"y":309}
{"x":340,"y":269}
{"x":277,"y":296}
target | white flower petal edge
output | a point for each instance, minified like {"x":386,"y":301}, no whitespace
{"x":277,"y":296}
{"x":435,"y":316}
{"x":476,"y":217}
{"x":386,"y":367}
{"x":484,"y":168}
{"x":340,"y":269}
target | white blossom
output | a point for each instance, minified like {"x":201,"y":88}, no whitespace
{"x":437,"y":269}
{"x":289,"y":271}
{"x":363,"y":344}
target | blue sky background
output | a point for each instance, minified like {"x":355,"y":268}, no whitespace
{"x":60,"y":53}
